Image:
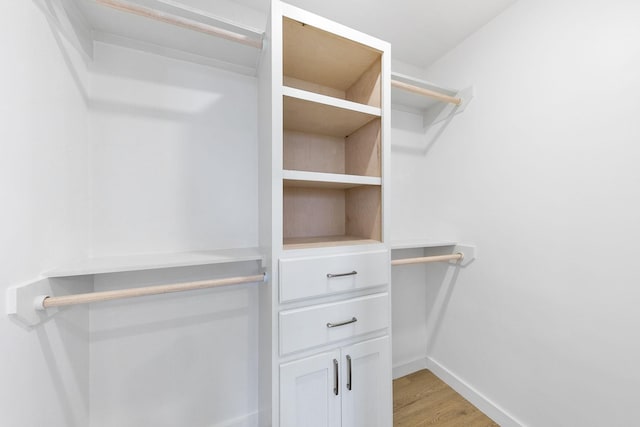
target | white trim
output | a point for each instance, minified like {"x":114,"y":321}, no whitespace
{"x":491,"y":409}
{"x":403,"y":369}
{"x":331,"y":101}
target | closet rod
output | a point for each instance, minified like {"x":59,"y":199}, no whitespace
{"x":44,"y":302}
{"x":438,"y":258}
{"x":180,"y":21}
{"x":426,"y":92}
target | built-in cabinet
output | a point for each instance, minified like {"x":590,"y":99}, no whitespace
{"x":325,"y":152}
{"x":343,"y":387}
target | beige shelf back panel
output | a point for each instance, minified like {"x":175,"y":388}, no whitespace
{"x":312,"y":152}
{"x":313,"y":212}
{"x":321,"y":62}
{"x":357,"y":154}
{"x":325,"y":212}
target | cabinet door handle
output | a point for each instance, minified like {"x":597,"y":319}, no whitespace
{"x":348,"y":372}
{"x":336,"y":384}
{"x":346,"y":322}
{"x":351,"y":273}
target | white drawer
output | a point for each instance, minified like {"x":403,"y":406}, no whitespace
{"x":309,"y":277}
{"x":307,"y":327}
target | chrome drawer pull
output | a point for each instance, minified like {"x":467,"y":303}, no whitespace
{"x":352,"y":273}
{"x":346,"y":322}
{"x":348,"y":372}
{"x":336,"y":384}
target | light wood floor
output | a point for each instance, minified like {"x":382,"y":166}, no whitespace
{"x":422,"y":399}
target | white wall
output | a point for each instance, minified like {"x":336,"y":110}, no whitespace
{"x":187,"y":359}
{"x":44,"y":215}
{"x":173,"y":168}
{"x":173,"y":155}
{"x":541,"y":172}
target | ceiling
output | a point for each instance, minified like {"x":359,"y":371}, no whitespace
{"x":420,"y":31}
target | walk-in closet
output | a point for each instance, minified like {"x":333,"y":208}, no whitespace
{"x":253,"y":213}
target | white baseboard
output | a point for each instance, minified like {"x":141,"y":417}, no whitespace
{"x":493,"y":411}
{"x":402,"y":369}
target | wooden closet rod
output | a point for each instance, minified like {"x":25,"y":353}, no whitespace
{"x":438,"y":258}
{"x":44,"y":302}
{"x":180,"y":21}
{"x":426,"y":92}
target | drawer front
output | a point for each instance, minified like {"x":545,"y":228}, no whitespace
{"x":317,"y":325}
{"x":316,"y":276}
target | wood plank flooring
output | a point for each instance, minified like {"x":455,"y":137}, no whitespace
{"x":422,"y":399}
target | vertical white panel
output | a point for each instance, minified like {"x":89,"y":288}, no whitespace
{"x":43,"y":219}
{"x":368,"y":403}
{"x":307,"y":395}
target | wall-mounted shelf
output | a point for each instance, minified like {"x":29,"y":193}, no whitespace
{"x":163,"y":27}
{"x":421,"y":243}
{"x":114,"y":264}
{"x":77,"y":277}
{"x":406,"y":96}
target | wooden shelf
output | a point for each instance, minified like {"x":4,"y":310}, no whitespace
{"x":326,"y":180}
{"x":325,"y":241}
{"x":313,"y":113}
{"x":114,"y":264}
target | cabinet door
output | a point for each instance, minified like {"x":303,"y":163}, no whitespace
{"x":310,"y":391}
{"x":367,"y":389}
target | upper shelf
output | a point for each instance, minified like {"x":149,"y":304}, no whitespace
{"x":316,"y":60}
{"x":413,"y":102}
{"x":169,"y":28}
{"x":115,"y":264}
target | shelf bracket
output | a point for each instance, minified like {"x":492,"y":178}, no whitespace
{"x":21,"y":299}
{"x":445,"y":111}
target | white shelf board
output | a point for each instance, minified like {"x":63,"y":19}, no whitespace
{"x":412,"y":102}
{"x":320,"y":114}
{"x":293,"y":178}
{"x":421,"y":243}
{"x":136,"y":32}
{"x":114,"y":264}
{"x":325,"y":241}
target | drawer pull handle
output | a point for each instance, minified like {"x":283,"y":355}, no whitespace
{"x":348,"y":372}
{"x":336,"y":384}
{"x":346,"y":322}
{"x":351,"y":273}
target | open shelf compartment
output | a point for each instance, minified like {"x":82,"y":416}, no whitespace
{"x":330,"y":216}
{"x":321,"y":62}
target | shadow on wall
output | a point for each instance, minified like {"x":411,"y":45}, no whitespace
{"x":178,"y":359}
{"x":174,"y":155}
{"x":64,"y":342}
{"x":416,"y":124}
